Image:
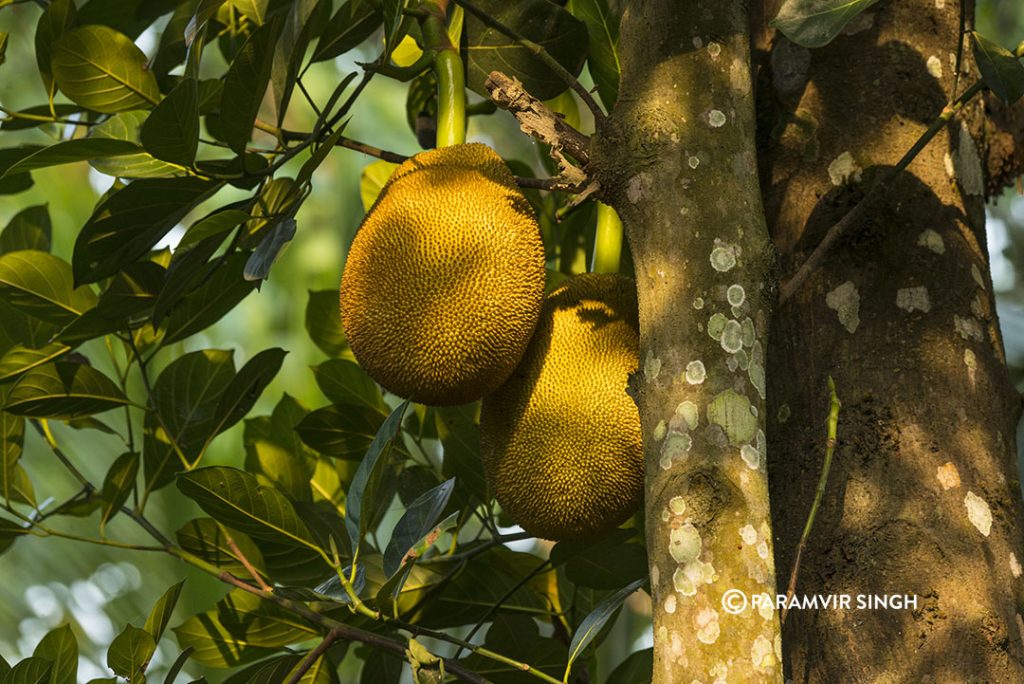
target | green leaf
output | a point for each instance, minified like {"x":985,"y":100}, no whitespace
{"x":344,"y":382}
{"x":130,"y":652}
{"x":354,"y":22}
{"x":275,"y":454}
{"x":185,"y":400}
{"x":40,"y":285}
{"x":603,"y":57}
{"x":160,"y":615}
{"x":31,"y":670}
{"x":246,"y":387}
{"x":140,"y":164}
{"x":171,"y":51}
{"x":129,"y":222}
{"x":257,"y":268}
{"x":416,"y":523}
{"x":65,"y":391}
{"x":29,"y":229}
{"x":393,"y":17}
{"x":270,"y":671}
{"x":4,"y":36}
{"x":323,"y":323}
{"x":359,"y":510}
{"x":208,"y":539}
{"x":380,"y":667}
{"x":103,"y":70}
{"x":235,"y":498}
{"x":545,"y":23}
{"x":117,"y":485}
{"x":291,"y":49}
{"x":57,"y":19}
{"x":517,"y":636}
{"x":179,"y":663}
{"x":636,"y":669}
{"x":256,"y":10}
{"x":372,"y":181}
{"x":1001,"y":70}
{"x":70,"y":151}
{"x":12,"y":442}
{"x":593,"y":623}
{"x":815,"y":23}
{"x":217,"y":223}
{"x":171,"y":131}
{"x":245,"y":85}
{"x":459,"y":431}
{"x":220,"y":293}
{"x":9,"y":532}
{"x":60,"y":647}
{"x":341,"y":430}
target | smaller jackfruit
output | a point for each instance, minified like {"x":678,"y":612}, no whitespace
{"x":560,"y":440}
{"x":444,"y":280}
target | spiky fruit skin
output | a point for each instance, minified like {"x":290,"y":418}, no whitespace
{"x":560,"y":439}
{"x":445,"y":278}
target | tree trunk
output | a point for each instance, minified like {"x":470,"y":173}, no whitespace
{"x":677,"y":161}
{"x":924,"y":499}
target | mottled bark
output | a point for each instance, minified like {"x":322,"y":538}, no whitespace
{"x":924,"y":498}
{"x":1003,"y":138}
{"x":677,"y":161}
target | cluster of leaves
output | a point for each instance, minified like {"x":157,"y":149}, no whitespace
{"x":362,"y":512}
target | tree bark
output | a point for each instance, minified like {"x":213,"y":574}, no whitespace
{"x":924,"y":499}
{"x":677,"y":161}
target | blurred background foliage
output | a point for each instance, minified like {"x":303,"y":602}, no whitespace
{"x":101,"y":589}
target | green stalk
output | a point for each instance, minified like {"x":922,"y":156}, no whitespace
{"x":451,"y":78}
{"x":607,"y":241}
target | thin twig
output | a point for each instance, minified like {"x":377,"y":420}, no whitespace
{"x":247,"y":564}
{"x":540,"y":53}
{"x":830,"y":445}
{"x":313,"y":656}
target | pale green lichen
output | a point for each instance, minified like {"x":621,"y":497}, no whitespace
{"x":684,"y":543}
{"x":732,"y":340}
{"x":747,"y":332}
{"x":929,"y":239}
{"x":659,"y":431}
{"x":688,"y":410}
{"x":750,"y":456}
{"x":716,"y":118}
{"x":695,"y":372}
{"x":716,"y":324}
{"x":735,"y":295}
{"x":913,"y":299}
{"x":748,"y":534}
{"x":756,"y":374}
{"x":706,"y":624}
{"x":723,"y":258}
{"x":677,"y":505}
{"x":698,"y":302}
{"x":978,"y":512}
{"x":652,"y":366}
{"x":742,"y":360}
{"x":784,"y":413}
{"x":731,"y":411}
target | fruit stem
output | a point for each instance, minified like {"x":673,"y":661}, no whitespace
{"x":451,"y":77}
{"x":607,"y":241}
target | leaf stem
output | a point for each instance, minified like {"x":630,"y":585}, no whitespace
{"x":832,"y":423}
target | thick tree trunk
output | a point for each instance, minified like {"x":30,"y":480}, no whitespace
{"x":924,"y":498}
{"x":677,"y":160}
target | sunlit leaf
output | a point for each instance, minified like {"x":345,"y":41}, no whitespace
{"x":70,"y":151}
{"x":344,"y":382}
{"x":323,"y":323}
{"x":603,"y":56}
{"x":19,"y":359}
{"x":372,"y":181}
{"x":29,"y":229}
{"x":208,"y":539}
{"x":40,"y":285}
{"x":416,"y":523}
{"x":160,"y":614}
{"x":130,"y":652}
{"x":341,"y":430}
{"x":275,"y":453}
{"x":31,"y":670}
{"x":60,"y":647}
{"x":140,"y":164}
{"x":103,"y":70}
{"x":57,"y":19}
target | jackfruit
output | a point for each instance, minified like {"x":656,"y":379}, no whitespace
{"x":444,"y":281}
{"x":560,"y":439}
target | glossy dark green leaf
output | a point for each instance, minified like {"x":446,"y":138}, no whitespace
{"x":1002,"y":72}
{"x":636,"y":669}
{"x":235,"y":498}
{"x":189,"y":269}
{"x":459,"y":431}
{"x":130,"y":652}
{"x":12,"y":442}
{"x":171,"y":50}
{"x":246,"y":387}
{"x":4,"y":40}
{"x":603,"y":57}
{"x":205,"y":10}
{"x":60,"y":647}
{"x":257,"y":268}
{"x":206,"y":305}
{"x":245,"y":85}
{"x":354,"y":22}
{"x":416,"y":523}
{"x":40,"y":285}
{"x":103,"y":70}
{"x":29,"y":229}
{"x":69,"y":151}
{"x":543,"y":22}
{"x":57,"y":19}
{"x":359,"y":509}
{"x":19,"y":359}
{"x":63,"y":390}
{"x":117,"y":486}
{"x":275,"y":454}
{"x":393,"y":17}
{"x":31,"y":670}
{"x":171,"y":131}
{"x":161,"y":612}
{"x":208,"y":539}
{"x":140,"y":164}
{"x":185,"y":400}
{"x":593,"y":623}
{"x":323,"y":323}
{"x":341,"y":430}
{"x":344,"y":382}
{"x":178,"y":665}
{"x":129,"y":222}
{"x":290,"y":50}
{"x":133,"y":290}
{"x":815,"y":23}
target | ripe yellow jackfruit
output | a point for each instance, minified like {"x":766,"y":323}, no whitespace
{"x":444,"y":280}
{"x":560,"y":440}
